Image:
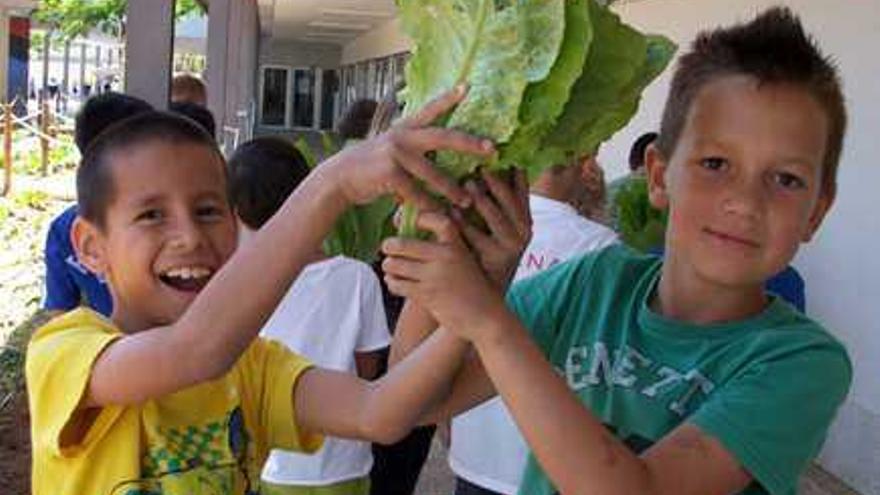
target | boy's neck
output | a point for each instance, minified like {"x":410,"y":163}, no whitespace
{"x":695,"y":300}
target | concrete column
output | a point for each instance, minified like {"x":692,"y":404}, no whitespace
{"x":219,"y":42}
{"x":4,"y":53}
{"x":149,"y":44}
{"x":82,"y":68}
{"x":47,"y":54}
{"x":319,"y":98}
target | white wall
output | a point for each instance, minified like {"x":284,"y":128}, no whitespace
{"x":385,"y":40}
{"x":299,"y":54}
{"x":842,"y":266}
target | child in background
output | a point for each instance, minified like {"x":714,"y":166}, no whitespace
{"x":633,"y":374}
{"x":187,"y":88}
{"x":174,"y":393}
{"x":332,"y":315}
{"x":69,"y":283}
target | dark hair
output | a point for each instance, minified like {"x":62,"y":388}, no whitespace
{"x":637,"y":152}
{"x":355,"y":123}
{"x":774,"y":49}
{"x":196,"y":112}
{"x":101,"y":111}
{"x":262,"y":174}
{"x":386,"y":111}
{"x":94,"y":177}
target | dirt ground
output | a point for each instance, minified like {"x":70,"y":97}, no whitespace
{"x":15,"y":447}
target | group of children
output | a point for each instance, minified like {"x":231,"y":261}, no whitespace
{"x":625,"y":373}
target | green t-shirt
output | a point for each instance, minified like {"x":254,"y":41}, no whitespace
{"x":767,"y":387}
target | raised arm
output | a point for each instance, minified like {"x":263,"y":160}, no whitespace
{"x":576,"y":451}
{"x":216,"y":328}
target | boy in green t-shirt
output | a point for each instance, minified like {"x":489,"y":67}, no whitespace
{"x":682,"y":375}
{"x":174,"y":394}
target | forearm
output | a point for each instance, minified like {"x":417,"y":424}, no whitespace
{"x":413,"y":387}
{"x":576,"y":451}
{"x":414,"y":325}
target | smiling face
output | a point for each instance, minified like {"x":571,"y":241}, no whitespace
{"x":168,"y":229}
{"x":743,"y":184}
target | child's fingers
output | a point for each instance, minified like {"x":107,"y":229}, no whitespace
{"x":412,"y":249}
{"x":400,"y":287}
{"x":510,"y":200}
{"x":419,"y":166}
{"x":436,"y":138}
{"x":521,"y":183}
{"x":476,"y":238}
{"x":436,"y":107}
{"x":498,"y":224}
{"x":403,"y":268}
{"x":444,"y":228}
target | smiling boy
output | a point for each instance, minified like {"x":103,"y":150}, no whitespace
{"x":174,"y":394}
{"x":629,"y":374}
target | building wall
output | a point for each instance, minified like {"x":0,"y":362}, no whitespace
{"x":298,"y":54}
{"x":842,"y":264}
{"x":385,"y":40}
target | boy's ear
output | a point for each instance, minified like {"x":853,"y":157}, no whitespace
{"x":88,"y":243}
{"x":820,"y":209}
{"x":656,"y":167}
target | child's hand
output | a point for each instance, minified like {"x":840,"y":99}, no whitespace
{"x":389,"y":163}
{"x":442,"y":276}
{"x":506,"y":211}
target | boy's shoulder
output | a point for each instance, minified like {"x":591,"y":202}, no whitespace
{"x":81,"y":321}
{"x":338,"y":271}
{"x":604,"y":271}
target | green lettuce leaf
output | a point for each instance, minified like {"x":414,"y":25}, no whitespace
{"x":545,"y":100}
{"x":613,"y":70}
{"x":497,"y":48}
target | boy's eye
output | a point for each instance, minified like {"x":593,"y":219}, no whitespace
{"x":713,"y":163}
{"x":789,"y":181}
{"x":209,"y":211}
{"x":149,"y":215}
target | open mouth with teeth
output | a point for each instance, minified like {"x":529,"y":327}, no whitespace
{"x":187,"y":279}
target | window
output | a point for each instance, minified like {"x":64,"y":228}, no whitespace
{"x":303,"y":98}
{"x":329,"y":95}
{"x":287,"y":97}
{"x":274,"y":97}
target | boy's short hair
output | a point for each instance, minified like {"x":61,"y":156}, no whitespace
{"x":262,"y":173}
{"x":637,"y":151}
{"x":188,"y":88}
{"x":773,"y":49}
{"x":355,"y":123}
{"x":196,"y":112}
{"x":94,"y":177}
{"x":101,"y":111}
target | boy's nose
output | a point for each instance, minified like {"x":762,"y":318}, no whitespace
{"x":186,"y":236}
{"x":745,"y":198}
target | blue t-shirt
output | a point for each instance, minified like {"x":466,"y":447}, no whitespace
{"x":766,"y":387}
{"x":68,"y":281}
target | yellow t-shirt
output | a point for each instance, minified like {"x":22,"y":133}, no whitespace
{"x":208,"y":439}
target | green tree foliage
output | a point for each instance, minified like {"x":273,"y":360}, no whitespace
{"x":68,"y":19}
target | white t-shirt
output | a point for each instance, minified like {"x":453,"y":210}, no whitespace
{"x":333,"y":309}
{"x":487,"y":448}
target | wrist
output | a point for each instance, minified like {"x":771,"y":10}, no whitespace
{"x":324,"y":187}
{"x":493,"y":325}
